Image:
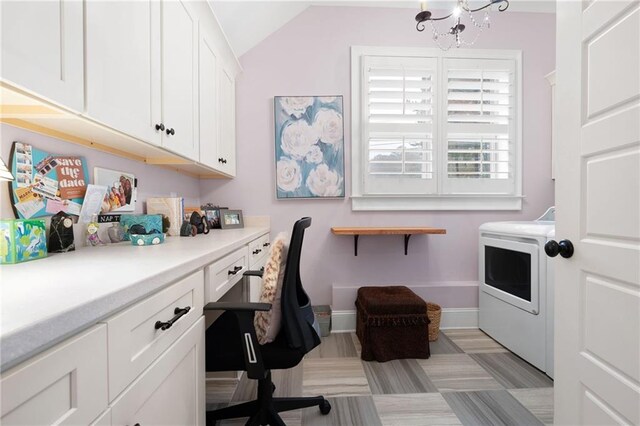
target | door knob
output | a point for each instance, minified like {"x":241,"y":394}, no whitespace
{"x":564,"y":248}
{"x":171,"y":131}
{"x":160,"y":127}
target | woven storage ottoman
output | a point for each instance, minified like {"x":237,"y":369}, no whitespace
{"x":392,"y":323}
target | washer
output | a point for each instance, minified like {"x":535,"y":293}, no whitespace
{"x":516,"y":288}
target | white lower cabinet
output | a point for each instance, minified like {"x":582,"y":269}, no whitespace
{"x":66,"y":385}
{"x":172,"y":390}
{"x":135,"y":338}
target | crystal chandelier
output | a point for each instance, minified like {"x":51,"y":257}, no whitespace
{"x":446,"y":40}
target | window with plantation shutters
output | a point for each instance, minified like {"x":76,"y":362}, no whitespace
{"x":399,"y":98}
{"x":478,"y":126}
{"x":435,"y":130}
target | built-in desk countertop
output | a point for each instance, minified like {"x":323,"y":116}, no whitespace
{"x":45,"y":301}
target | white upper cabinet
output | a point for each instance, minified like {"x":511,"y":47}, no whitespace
{"x":208,"y":99}
{"x":180,"y":78}
{"x":123,"y":66}
{"x":42,"y":49}
{"x":227,"y":106}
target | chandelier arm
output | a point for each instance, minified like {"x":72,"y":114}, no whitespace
{"x":440,"y":19}
{"x":420,"y":26}
{"x":504,"y":6}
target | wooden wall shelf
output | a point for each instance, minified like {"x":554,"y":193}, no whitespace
{"x":393,"y":230}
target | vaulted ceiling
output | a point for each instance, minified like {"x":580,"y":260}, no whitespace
{"x":247,"y":23}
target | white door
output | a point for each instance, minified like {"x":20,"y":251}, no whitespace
{"x":208,"y":100}
{"x":597,"y":314}
{"x":123,"y":66}
{"x":42,"y":49}
{"x":180,"y":78}
{"x":227,"y":142}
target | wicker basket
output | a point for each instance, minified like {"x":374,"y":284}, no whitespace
{"x":434,"y":312}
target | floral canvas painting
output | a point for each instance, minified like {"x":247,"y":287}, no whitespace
{"x":309,"y":146}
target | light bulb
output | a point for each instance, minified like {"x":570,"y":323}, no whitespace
{"x":457,"y":11}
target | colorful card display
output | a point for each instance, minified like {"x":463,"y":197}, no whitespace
{"x":42,"y":178}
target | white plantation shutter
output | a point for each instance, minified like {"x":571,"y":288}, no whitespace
{"x":479,"y":126}
{"x":436,"y":130}
{"x":399,"y":95}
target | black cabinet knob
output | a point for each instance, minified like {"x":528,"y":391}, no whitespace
{"x":224,"y":161}
{"x":256,"y":251}
{"x":564,"y":248}
{"x":220,"y":160}
{"x":171,"y":131}
{"x":160,"y":127}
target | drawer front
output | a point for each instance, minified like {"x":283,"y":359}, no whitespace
{"x":258,"y":250}
{"x":134,"y":340}
{"x":66,"y":385}
{"x":172,"y":390}
{"x":223,"y":274}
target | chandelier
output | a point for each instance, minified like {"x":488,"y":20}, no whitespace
{"x":446,"y":40}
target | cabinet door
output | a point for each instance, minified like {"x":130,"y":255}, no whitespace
{"x":171,"y":391}
{"x":123,"y":66}
{"x":208,"y":100}
{"x":227,"y":105}
{"x":66,"y":385}
{"x":180,"y":78}
{"x":42,"y":49}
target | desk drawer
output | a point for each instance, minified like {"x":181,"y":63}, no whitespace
{"x":223,"y":274}
{"x":258,"y":249}
{"x":66,"y":385}
{"x":135,"y":342}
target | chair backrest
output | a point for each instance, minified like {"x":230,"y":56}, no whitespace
{"x":297,"y":313}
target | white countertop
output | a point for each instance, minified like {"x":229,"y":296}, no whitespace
{"x":45,"y":301}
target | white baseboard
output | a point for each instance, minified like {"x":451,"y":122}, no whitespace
{"x":345,"y":321}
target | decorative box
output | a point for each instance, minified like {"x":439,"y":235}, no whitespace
{"x":22,"y":240}
{"x":152,"y":223}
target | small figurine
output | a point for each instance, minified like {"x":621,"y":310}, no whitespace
{"x":92,"y":235}
{"x":116,"y":232}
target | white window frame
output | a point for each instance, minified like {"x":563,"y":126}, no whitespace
{"x":362,"y":201}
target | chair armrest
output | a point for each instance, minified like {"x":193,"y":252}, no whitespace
{"x":254,"y":273}
{"x":237,"y":306}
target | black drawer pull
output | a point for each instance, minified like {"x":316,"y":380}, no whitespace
{"x":266,"y":244}
{"x":179,"y":313}
{"x":256,"y":251}
{"x":236,"y":269}
{"x":262,"y":269}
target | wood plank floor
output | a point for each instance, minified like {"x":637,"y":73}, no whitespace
{"x":469,"y":380}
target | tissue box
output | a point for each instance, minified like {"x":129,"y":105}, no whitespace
{"x":22,"y":240}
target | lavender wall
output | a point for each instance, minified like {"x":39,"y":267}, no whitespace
{"x":311,"y":55}
{"x":152,"y":180}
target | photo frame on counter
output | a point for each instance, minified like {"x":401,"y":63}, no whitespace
{"x":212,"y":213}
{"x":231,"y":219}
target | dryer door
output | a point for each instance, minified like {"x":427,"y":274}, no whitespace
{"x":509,"y":271}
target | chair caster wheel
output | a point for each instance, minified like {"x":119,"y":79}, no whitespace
{"x":325,"y":407}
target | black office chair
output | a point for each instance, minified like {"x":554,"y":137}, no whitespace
{"x":231,"y":344}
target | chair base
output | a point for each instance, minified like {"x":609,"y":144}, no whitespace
{"x":264,"y":410}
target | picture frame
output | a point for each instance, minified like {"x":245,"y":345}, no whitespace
{"x":231,"y":219}
{"x":212,"y":213}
